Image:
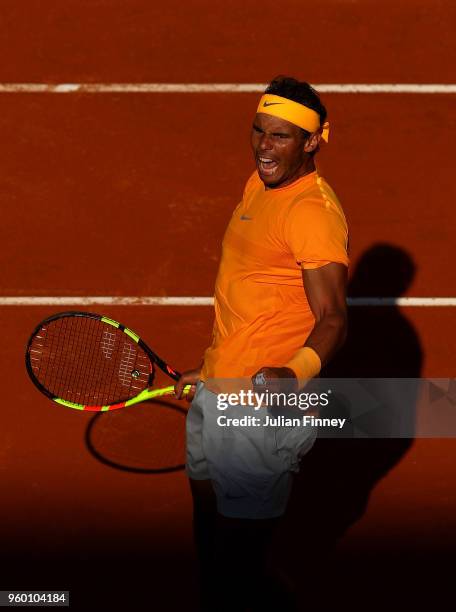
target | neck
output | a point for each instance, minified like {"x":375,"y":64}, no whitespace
{"x":307,"y":167}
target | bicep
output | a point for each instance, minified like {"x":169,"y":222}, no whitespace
{"x":326,"y":289}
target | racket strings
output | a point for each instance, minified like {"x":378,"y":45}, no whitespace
{"x":83,"y":373}
{"x":77,"y":343}
{"x":86,"y":381}
{"x":86,"y":361}
{"x":57,"y":370}
{"x":76,"y":366}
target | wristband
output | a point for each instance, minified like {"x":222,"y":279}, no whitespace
{"x":305,"y":364}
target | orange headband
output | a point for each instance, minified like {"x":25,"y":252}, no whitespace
{"x":295,"y":113}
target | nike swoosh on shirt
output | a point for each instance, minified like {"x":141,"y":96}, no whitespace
{"x":245,"y":218}
{"x":271,"y":103}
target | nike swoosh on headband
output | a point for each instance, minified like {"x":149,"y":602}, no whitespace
{"x":271,"y":103}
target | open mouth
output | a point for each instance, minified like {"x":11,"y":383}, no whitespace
{"x":267,"y":166}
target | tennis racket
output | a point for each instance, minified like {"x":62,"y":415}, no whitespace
{"x":90,"y":362}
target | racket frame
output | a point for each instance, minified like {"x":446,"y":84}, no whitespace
{"x":141,"y":397}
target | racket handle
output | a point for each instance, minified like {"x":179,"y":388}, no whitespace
{"x":148,"y":394}
{"x":167,"y":391}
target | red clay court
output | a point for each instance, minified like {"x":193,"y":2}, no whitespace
{"x":126,"y":193}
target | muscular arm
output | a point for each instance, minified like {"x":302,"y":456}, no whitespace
{"x":326,"y":290}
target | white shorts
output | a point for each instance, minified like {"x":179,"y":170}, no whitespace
{"x":250,"y":466}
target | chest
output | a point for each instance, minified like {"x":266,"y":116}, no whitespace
{"x":259,"y":220}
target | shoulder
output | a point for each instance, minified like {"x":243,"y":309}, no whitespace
{"x":317,"y":202}
{"x":253,"y":183}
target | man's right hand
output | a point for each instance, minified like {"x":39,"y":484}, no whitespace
{"x":190,"y":377}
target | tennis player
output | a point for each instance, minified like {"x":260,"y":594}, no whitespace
{"x":280,"y":315}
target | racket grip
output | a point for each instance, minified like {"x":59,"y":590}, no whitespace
{"x":170,"y":390}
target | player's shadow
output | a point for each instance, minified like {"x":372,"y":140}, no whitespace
{"x":337,"y":476}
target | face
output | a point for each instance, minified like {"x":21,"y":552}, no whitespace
{"x":281,"y":151}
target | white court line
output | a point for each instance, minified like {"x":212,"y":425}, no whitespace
{"x":201,"y":301}
{"x":400,"y":88}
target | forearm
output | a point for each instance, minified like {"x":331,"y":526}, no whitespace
{"x":328,"y":335}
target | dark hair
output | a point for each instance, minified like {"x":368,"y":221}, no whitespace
{"x":298,"y":91}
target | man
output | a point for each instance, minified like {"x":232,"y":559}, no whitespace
{"x":280,"y":315}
